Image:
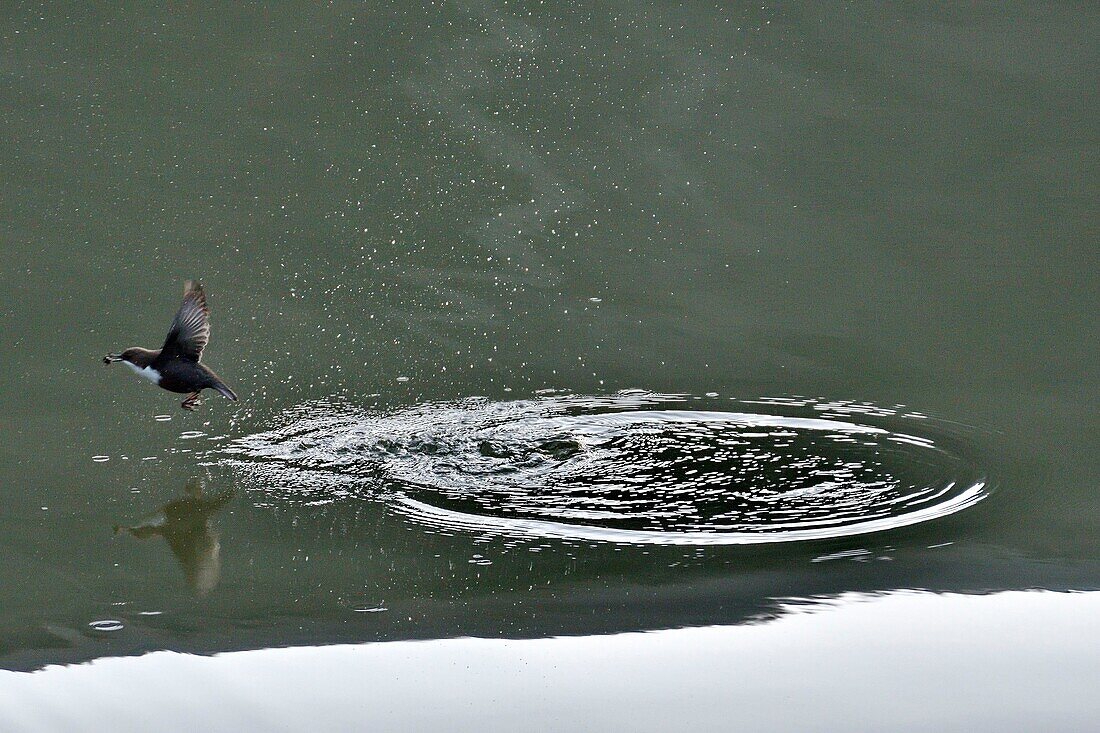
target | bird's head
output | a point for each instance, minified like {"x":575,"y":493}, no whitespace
{"x":134,"y":356}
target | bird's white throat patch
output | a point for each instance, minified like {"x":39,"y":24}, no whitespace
{"x":148,"y":372}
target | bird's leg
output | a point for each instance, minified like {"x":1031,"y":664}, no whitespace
{"x":191,"y":402}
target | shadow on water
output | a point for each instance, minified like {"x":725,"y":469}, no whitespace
{"x":185,"y":523}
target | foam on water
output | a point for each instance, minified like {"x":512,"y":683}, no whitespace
{"x":631,"y":467}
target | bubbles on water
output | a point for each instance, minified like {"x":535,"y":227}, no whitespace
{"x":632,"y":467}
{"x":101,"y":459}
{"x":106,"y":625}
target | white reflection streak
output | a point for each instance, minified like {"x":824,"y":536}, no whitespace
{"x":777,"y":532}
{"x":911,"y":660}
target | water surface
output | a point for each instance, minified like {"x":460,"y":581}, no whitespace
{"x":554,"y":325}
{"x":634,"y":467}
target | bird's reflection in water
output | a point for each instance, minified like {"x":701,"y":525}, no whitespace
{"x":186,"y":524}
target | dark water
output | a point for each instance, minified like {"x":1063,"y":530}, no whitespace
{"x":768,"y":331}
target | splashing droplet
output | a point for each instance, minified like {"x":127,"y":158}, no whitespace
{"x":633,"y":467}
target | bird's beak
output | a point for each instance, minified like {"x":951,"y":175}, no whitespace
{"x":112,"y":357}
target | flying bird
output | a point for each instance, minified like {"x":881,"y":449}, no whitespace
{"x":175,"y":366}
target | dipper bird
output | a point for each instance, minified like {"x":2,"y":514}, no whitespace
{"x":175,"y":366}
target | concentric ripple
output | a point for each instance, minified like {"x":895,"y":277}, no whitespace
{"x":631,"y":467}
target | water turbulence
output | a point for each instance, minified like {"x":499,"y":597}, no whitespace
{"x":630,"y":467}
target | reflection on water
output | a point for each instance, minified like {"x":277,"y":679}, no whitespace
{"x":899,"y":661}
{"x":186,"y":525}
{"x":632,"y":467}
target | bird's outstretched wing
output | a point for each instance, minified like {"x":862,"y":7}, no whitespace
{"x":190,"y":329}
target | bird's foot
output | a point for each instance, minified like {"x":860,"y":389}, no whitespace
{"x":191,"y":402}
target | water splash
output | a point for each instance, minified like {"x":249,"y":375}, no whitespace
{"x":633,"y":467}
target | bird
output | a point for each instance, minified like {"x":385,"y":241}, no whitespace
{"x":176,"y":366}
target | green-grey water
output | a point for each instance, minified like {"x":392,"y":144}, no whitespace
{"x":648,"y":366}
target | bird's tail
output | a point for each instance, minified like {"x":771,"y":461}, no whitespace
{"x":224,"y":389}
